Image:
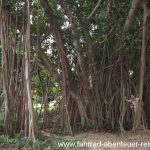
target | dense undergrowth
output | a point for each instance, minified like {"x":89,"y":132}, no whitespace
{"x":18,"y":143}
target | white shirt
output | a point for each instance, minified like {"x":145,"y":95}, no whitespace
{"x":134,"y":102}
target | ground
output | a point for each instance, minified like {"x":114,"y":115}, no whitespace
{"x":140,"y":137}
{"x":140,"y":140}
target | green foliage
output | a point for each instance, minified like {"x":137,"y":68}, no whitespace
{"x":41,"y":81}
{"x":29,"y":145}
{"x":2,"y":122}
{"x":39,"y":108}
{"x":24,"y":143}
{"x":8,"y":5}
{"x":40,"y":144}
{"x":7,"y":140}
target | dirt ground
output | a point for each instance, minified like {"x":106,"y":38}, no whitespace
{"x":138,"y":140}
{"x":130,"y":140}
{"x":100,"y":140}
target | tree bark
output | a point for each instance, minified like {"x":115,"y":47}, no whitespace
{"x":63,"y":61}
{"x":131,"y":14}
{"x":138,"y":115}
{"x":31,"y":132}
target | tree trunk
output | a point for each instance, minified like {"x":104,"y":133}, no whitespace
{"x":31,"y":131}
{"x":138,"y":114}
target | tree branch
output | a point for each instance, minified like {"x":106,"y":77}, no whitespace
{"x":132,"y":11}
{"x":94,"y":10}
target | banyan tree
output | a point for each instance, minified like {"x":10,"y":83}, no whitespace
{"x":96,"y":51}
